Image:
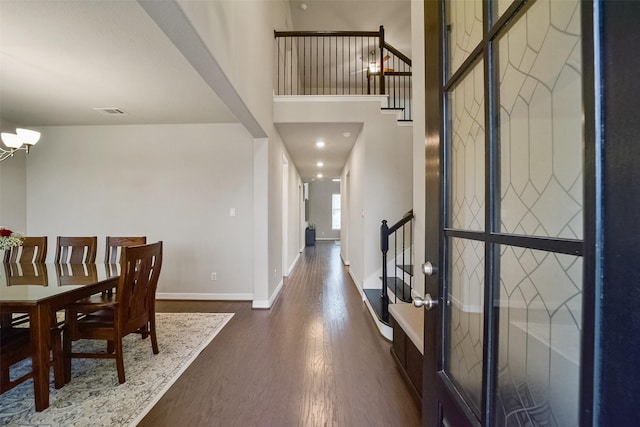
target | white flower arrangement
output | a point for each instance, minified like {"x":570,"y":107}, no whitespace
{"x":9,"y":239}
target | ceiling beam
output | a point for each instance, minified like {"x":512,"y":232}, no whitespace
{"x":170,"y":17}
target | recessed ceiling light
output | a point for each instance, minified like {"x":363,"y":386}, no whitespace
{"x":320,"y":144}
{"x":320,"y":164}
{"x":346,"y":134}
{"x":319,"y":175}
{"x":303,"y":6}
{"x":336,"y":180}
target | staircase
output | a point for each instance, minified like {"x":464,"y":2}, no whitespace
{"x":397,"y":273}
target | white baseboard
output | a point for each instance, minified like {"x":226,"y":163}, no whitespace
{"x":358,"y":285}
{"x":385,"y":331}
{"x":204,"y":296}
{"x":266,"y":304}
{"x":293,"y":264}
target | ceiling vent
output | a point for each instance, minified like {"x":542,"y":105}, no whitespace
{"x":110,"y":111}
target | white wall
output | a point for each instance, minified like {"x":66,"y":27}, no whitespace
{"x":240,"y":36}
{"x":13,"y":182}
{"x":13,"y":202}
{"x":247,"y":58}
{"x":353,"y":173}
{"x":320,"y":208}
{"x":174,"y":183}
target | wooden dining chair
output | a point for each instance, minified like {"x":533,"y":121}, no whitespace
{"x":22,"y":274}
{"x":76,"y":250}
{"x":114,"y":247}
{"x":33,"y":249}
{"x":110,"y":318}
{"x":16,"y":347}
{"x":113,"y":251}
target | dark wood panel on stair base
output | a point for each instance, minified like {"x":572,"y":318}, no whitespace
{"x":409,"y":360}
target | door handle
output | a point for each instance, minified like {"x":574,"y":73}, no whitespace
{"x":427,"y":302}
{"x":429,"y":269}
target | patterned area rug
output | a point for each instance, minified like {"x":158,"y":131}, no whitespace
{"x":94,"y":397}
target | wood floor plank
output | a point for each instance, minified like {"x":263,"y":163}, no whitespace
{"x":314,"y":359}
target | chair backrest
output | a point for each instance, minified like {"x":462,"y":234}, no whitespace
{"x":136,"y":294}
{"x":114,"y":247}
{"x":76,"y":250}
{"x":33,"y":249}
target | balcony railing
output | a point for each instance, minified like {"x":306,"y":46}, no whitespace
{"x":343,"y":63}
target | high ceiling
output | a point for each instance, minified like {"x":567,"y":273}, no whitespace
{"x":62,"y":60}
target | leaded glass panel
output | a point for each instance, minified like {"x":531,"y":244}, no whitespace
{"x":541,"y":122}
{"x":464,"y":30}
{"x":540,"y":311}
{"x":465,"y":306}
{"x":466,"y":106}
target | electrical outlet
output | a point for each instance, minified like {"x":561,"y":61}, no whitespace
{"x":214,"y":276}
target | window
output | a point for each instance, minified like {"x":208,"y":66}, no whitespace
{"x":335,"y":212}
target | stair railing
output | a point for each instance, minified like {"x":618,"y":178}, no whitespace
{"x":402,"y":232}
{"x":342,"y":63}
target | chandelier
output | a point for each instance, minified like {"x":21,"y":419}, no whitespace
{"x":23,"y":139}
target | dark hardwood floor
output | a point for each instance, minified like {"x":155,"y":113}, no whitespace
{"x":314,"y":359}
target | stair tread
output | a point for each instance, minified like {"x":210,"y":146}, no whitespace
{"x":400,"y":288}
{"x":407,"y":269}
{"x":374,"y":296}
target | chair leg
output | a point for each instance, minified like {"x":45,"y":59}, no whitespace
{"x":4,"y":379}
{"x":144,"y":332}
{"x":119,"y":360}
{"x":66,"y":354}
{"x":154,"y":338}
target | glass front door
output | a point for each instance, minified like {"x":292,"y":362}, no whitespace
{"x":510,"y":292}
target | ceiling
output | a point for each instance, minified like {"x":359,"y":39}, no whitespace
{"x":62,"y":60}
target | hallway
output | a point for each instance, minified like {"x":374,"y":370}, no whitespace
{"x":314,"y":359}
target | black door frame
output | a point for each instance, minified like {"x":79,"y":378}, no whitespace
{"x":433,"y":172}
{"x":611,"y":389}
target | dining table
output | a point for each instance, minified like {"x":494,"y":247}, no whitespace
{"x":40,"y":290}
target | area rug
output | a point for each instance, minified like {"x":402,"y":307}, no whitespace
{"x":94,"y":397}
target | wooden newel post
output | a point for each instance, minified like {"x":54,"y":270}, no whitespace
{"x":382,"y":89}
